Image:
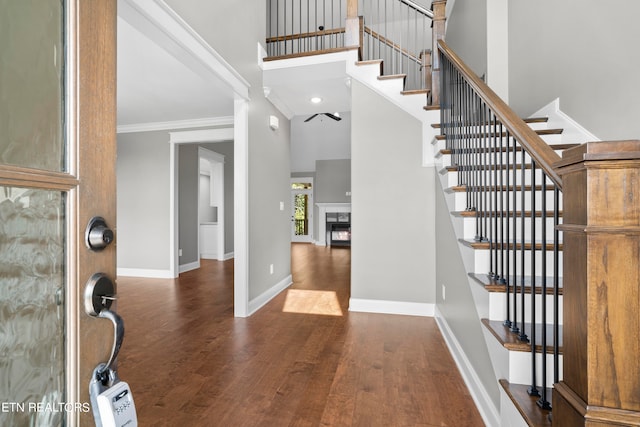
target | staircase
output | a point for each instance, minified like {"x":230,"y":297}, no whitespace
{"x":505,"y":200}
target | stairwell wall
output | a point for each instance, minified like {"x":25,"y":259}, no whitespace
{"x":584,"y":52}
{"x":393,"y":236}
{"x":457,"y":306}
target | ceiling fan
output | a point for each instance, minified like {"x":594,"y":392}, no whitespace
{"x":334,"y":116}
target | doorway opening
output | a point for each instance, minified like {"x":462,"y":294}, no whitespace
{"x":302,"y":209}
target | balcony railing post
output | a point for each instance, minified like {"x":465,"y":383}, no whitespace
{"x":438,"y":27}
{"x":601,"y":286}
{"x":352,"y":36}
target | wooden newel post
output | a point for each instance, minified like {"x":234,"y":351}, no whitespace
{"x":438,"y":7}
{"x":601,"y":286}
{"x":352,"y":25}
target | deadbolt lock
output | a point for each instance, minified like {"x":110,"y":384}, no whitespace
{"x":98,"y":235}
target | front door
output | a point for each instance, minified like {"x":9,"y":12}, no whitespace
{"x":57,"y":171}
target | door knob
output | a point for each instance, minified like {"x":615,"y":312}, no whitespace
{"x":98,"y":235}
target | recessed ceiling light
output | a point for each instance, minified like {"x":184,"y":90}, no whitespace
{"x":316,"y":100}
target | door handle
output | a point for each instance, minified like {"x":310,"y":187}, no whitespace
{"x":98,"y":297}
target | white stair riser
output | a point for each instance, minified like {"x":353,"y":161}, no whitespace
{"x":515,"y":366}
{"x":471,"y":224}
{"x":502,"y":178}
{"x":503,"y":158}
{"x":506,"y":202}
{"x":482,"y":259}
{"x":520,"y":368}
{"x":498,"y":304}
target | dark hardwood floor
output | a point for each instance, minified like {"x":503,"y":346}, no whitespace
{"x":302,"y":360}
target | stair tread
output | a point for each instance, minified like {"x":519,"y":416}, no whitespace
{"x":492,"y":285}
{"x":369,"y":61}
{"x":504,"y":134}
{"x":511,"y":341}
{"x":527,"y":214}
{"x":415,"y":92}
{"x":533,"y":414}
{"x":527,"y":120}
{"x":505,"y":149}
{"x":463,"y":188}
{"x":392,"y":76}
{"x":527,"y":245}
{"x":431,"y":107}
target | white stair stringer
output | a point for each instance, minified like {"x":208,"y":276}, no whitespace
{"x":391,"y":89}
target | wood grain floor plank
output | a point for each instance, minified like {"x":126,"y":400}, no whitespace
{"x":189,"y":362}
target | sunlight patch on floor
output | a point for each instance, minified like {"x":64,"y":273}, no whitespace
{"x":312,"y":302}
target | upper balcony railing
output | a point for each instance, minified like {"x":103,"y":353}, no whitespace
{"x":398,"y":32}
{"x":297,"y":27}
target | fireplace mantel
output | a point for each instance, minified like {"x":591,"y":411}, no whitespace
{"x":323,"y":208}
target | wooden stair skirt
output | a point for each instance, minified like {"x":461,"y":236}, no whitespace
{"x":601,"y":385}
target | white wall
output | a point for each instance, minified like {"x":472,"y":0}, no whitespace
{"x":393,"y":246}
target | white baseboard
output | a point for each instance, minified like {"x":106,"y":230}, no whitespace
{"x":188,"y":267}
{"x":259,"y":301}
{"x":208,"y":255}
{"x":141,"y":272}
{"x":391,"y":307}
{"x":490,"y":414}
{"x":228,"y":255}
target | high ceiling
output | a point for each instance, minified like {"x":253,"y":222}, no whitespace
{"x":156,"y":84}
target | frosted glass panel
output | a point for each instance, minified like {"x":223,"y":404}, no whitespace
{"x":32,"y":277}
{"x":31,"y":84}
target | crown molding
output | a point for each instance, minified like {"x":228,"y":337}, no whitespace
{"x":177,"y":124}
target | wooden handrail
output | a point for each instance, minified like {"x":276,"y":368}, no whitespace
{"x":418,"y":8}
{"x":535,"y":146}
{"x":392,"y":45}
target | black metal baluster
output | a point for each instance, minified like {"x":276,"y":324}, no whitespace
{"x":507,"y":274}
{"x":497,"y":171}
{"x":556,"y":285}
{"x":514,"y":226}
{"x":503,"y":170}
{"x":486,"y":199}
{"x":533,"y":390}
{"x":543,"y":402}
{"x":523,"y":335}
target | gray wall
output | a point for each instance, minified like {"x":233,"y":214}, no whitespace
{"x":332,"y":181}
{"x":459,"y":308}
{"x":234,"y":32}
{"x":467,"y":33}
{"x":393,"y":247}
{"x":143,"y":200}
{"x":188,"y":198}
{"x":582,"y":52}
{"x":226,"y":149}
